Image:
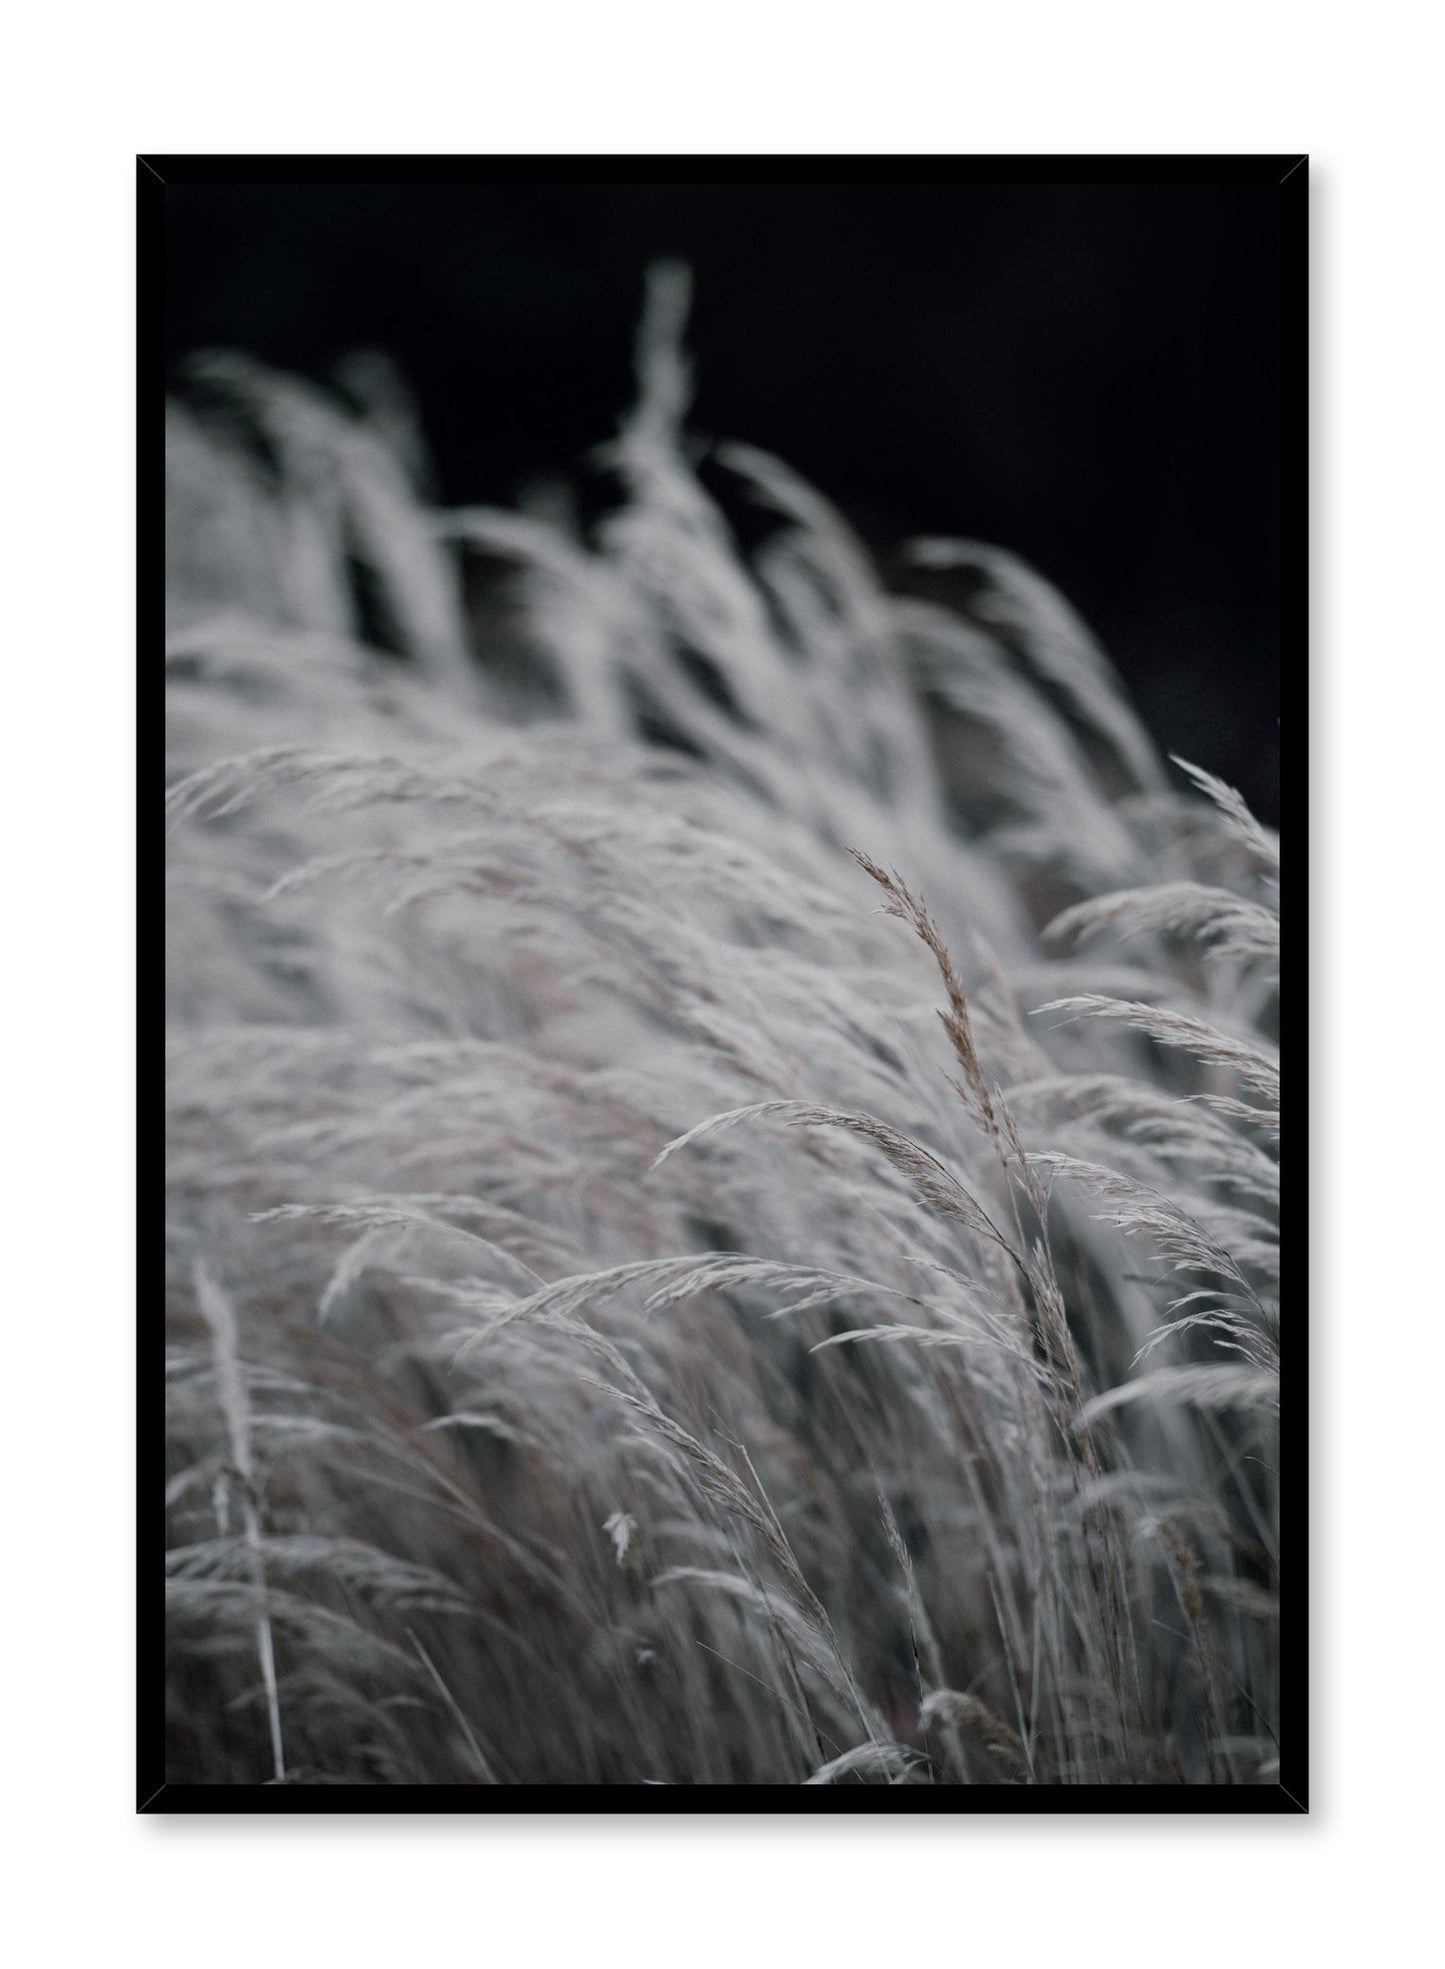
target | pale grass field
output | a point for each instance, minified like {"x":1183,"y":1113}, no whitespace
{"x":723,"y":1144}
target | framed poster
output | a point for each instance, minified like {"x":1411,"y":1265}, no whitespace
{"x":723,"y":1018}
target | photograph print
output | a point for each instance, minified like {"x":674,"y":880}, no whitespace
{"x":724,"y":774}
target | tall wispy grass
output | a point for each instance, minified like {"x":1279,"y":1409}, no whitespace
{"x":724,"y":1144}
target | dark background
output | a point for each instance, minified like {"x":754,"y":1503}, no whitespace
{"x":1087,"y":374}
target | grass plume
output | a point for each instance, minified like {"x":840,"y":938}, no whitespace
{"x":723,"y":1145}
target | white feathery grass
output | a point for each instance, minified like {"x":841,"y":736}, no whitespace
{"x":711,"y":1315}
{"x":231,"y":1395}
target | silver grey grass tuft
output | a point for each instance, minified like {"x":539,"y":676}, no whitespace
{"x":723,"y":1144}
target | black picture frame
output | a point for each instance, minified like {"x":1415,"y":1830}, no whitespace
{"x":1289,"y":175}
